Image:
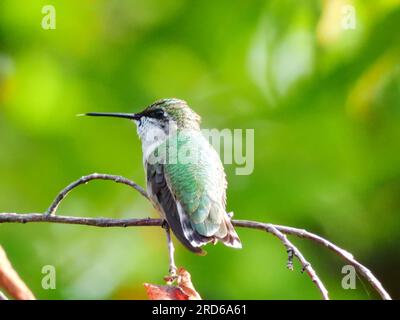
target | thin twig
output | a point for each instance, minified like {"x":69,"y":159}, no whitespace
{"x":171,"y":254}
{"x":291,"y":249}
{"x":301,"y":233}
{"x":85,"y":179}
{"x":347,"y":256}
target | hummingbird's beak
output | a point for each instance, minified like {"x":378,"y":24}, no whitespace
{"x":131,"y":116}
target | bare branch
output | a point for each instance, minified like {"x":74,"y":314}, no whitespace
{"x":347,"y":256}
{"x":109,"y":222}
{"x":278,"y":231}
{"x":183,"y":290}
{"x":95,"y":222}
{"x":301,"y":233}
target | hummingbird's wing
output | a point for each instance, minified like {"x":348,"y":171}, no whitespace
{"x":193,"y":192}
{"x":161,"y":194}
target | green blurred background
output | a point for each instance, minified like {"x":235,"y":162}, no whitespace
{"x":324,"y":102}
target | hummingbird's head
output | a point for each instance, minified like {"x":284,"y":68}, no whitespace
{"x":169,"y":112}
{"x":163,"y":116}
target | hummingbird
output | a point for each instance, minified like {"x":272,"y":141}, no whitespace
{"x":185,"y":178}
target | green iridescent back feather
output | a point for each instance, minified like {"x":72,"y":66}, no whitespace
{"x":196,"y":177}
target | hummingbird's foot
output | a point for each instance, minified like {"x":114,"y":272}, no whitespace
{"x":173,"y":271}
{"x":172,"y":275}
{"x":165,"y":225}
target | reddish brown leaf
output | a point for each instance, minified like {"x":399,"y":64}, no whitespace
{"x":184,"y":290}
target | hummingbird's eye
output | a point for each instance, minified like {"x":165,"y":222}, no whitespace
{"x":158,"y":114}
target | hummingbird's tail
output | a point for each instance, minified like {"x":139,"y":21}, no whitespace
{"x":184,"y":232}
{"x":193,"y":240}
{"x":230,"y":238}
